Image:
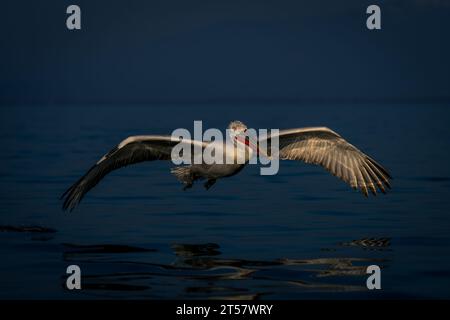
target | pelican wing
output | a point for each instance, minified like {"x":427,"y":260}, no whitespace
{"x":324,"y":147}
{"x":130,"y":151}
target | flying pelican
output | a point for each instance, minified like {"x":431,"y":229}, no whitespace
{"x":316,"y":145}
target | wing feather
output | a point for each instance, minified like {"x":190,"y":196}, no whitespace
{"x":324,"y":147}
{"x":130,"y":151}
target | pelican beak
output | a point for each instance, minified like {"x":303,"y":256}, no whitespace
{"x":253,"y":145}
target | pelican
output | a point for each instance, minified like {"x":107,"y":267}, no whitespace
{"x":316,"y":145}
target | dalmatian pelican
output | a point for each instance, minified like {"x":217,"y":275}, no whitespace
{"x":316,"y":145}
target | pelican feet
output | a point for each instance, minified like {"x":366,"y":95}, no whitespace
{"x":208,"y":184}
{"x":187,"y":186}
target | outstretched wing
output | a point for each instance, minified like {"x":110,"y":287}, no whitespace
{"x":130,"y":151}
{"x":324,"y":147}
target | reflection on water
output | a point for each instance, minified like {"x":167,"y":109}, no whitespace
{"x":38,"y":233}
{"x":103,"y":248}
{"x":208,"y":275}
{"x":26,"y":229}
{"x":194,"y":250}
{"x":299,"y":234}
{"x":370,"y":243}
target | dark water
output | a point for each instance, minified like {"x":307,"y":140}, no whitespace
{"x":300,"y":234}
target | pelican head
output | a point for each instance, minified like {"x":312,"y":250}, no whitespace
{"x":237,"y":128}
{"x":238,"y":132}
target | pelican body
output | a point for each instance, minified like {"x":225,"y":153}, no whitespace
{"x":315,"y":145}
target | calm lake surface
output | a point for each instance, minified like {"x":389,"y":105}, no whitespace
{"x":302,"y":234}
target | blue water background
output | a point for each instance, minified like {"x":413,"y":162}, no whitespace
{"x":289,"y":236}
